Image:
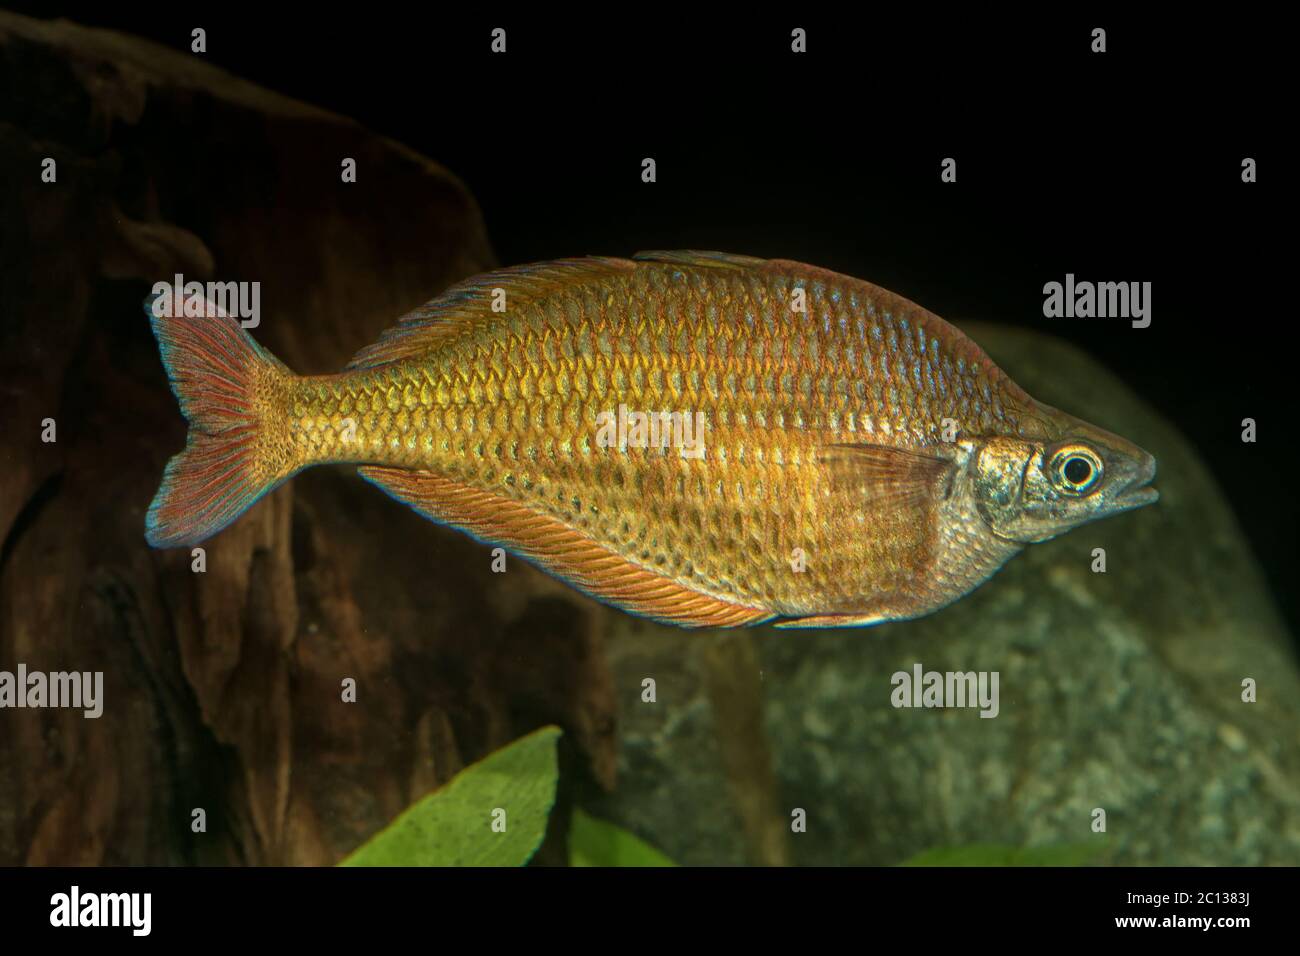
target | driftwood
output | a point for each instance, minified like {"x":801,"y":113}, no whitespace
{"x":222,"y":689}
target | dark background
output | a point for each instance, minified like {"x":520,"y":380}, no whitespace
{"x":1124,"y":166}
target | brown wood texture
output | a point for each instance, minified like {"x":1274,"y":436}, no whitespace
{"x":222,"y":689}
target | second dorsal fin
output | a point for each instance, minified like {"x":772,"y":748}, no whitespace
{"x":700,"y":259}
{"x":471,"y":301}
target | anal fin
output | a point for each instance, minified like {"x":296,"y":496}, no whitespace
{"x":561,"y":550}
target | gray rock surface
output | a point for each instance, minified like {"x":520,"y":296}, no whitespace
{"x":1120,"y":691}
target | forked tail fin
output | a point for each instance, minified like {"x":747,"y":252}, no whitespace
{"x":222,"y":379}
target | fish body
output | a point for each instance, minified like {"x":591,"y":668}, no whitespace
{"x":704,"y":439}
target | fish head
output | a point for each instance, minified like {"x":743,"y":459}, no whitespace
{"x":1062,"y":474}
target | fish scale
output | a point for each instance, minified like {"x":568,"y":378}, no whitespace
{"x":826,"y":491}
{"x":781,"y":399}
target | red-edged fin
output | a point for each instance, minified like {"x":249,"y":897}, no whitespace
{"x":696,"y":258}
{"x":956,"y":341}
{"x":470,"y":302}
{"x":882,"y":299}
{"x":215,"y":370}
{"x":561,"y":550}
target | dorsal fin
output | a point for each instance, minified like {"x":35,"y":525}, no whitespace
{"x":958,"y":341}
{"x":700,"y":259}
{"x":471,"y":301}
{"x":697,"y":259}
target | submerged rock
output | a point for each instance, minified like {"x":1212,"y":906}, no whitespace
{"x":1119,"y":691}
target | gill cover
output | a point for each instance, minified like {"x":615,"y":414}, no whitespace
{"x":999,"y":471}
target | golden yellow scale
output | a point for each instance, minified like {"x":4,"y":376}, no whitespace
{"x":852,"y":450}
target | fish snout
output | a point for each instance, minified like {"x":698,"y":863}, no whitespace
{"x":1134,"y":489}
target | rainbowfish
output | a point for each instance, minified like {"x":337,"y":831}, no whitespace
{"x":704,"y":439}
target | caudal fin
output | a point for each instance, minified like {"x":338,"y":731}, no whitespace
{"x":217,"y":373}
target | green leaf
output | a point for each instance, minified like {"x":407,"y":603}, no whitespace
{"x":993,"y":854}
{"x":453,"y":825}
{"x":595,"y":842}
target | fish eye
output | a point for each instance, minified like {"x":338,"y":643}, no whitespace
{"x":1076,"y":469}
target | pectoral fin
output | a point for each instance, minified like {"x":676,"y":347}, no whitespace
{"x":896,"y":477}
{"x":886,"y":502}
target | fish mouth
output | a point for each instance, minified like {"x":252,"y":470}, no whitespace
{"x":1138,"y":492}
{"x":1131,"y":498}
